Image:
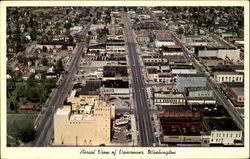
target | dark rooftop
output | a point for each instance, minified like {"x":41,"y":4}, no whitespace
{"x":91,"y":88}
{"x":152,"y":70}
{"x":211,"y":110}
{"x":115,"y":84}
{"x":221,"y":124}
{"x":115,"y":71}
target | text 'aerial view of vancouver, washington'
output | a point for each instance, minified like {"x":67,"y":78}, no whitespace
{"x":134,"y":76}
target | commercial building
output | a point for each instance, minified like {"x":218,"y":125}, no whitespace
{"x":156,"y":76}
{"x":115,"y":73}
{"x":198,"y":92}
{"x":171,"y":50}
{"x":169,"y":99}
{"x":88,"y":124}
{"x":180,"y":126}
{"x":224,"y":53}
{"x":220,"y":77}
{"x":115,"y":88}
{"x":115,"y":46}
{"x":224,"y":131}
{"x":191,"y":80}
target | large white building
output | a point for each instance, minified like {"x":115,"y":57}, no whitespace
{"x":224,"y":53}
{"x":85,"y":125}
{"x":160,"y":43}
{"x":224,"y":131}
{"x":220,"y":77}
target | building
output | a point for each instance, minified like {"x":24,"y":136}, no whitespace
{"x":181,"y":126}
{"x":115,"y":46}
{"x":115,"y":73}
{"x":98,"y":48}
{"x":157,"y":59}
{"x":160,"y":43}
{"x":198,"y":92}
{"x":116,"y":88}
{"x":220,"y":77}
{"x":236,"y":94}
{"x":224,"y":53}
{"x":211,"y":61}
{"x":171,"y":50}
{"x":143,"y":37}
{"x":190,"y":80}
{"x":183,"y":69}
{"x":223,"y":131}
{"x":169,"y":99}
{"x":54,"y":46}
{"x":156,"y":76}
{"x":89,"y":93}
{"x":113,"y":28}
{"x":88,"y":124}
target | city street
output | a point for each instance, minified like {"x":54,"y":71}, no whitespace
{"x":139,"y":95}
{"x":45,"y":129}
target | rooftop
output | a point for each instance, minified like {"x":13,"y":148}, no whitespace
{"x":197,"y":89}
{"x":221,"y":124}
{"x":65,"y":110}
{"x":238,"y":90}
{"x":115,"y":84}
{"x":161,"y":95}
{"x":114,"y":71}
{"x":91,"y":88}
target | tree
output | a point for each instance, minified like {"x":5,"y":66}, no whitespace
{"x":12,"y":106}
{"x":33,"y":34}
{"x":59,"y":67}
{"x":67,"y":25}
{"x":45,"y":62}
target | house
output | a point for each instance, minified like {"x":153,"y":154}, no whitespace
{"x":26,"y":107}
{"x":27,"y":75}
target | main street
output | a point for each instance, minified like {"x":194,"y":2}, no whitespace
{"x":139,"y":95}
{"x":45,"y":128}
{"x":214,"y":86}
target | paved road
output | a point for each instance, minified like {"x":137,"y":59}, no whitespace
{"x":218,"y":93}
{"x":45,"y":129}
{"x":141,"y":102}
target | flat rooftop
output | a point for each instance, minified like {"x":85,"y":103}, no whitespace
{"x":169,"y":96}
{"x":238,"y":90}
{"x":115,"y":84}
{"x":198,"y":89}
{"x":91,"y":88}
{"x":221,"y":124}
{"x":113,"y":71}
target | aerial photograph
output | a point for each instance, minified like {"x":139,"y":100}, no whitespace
{"x":125,"y":76}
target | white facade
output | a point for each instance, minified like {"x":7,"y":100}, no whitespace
{"x":184,"y":71}
{"x":220,"y":77}
{"x":162,"y":43}
{"x":225,"y":137}
{"x":169,"y":99}
{"x":232,"y":54}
